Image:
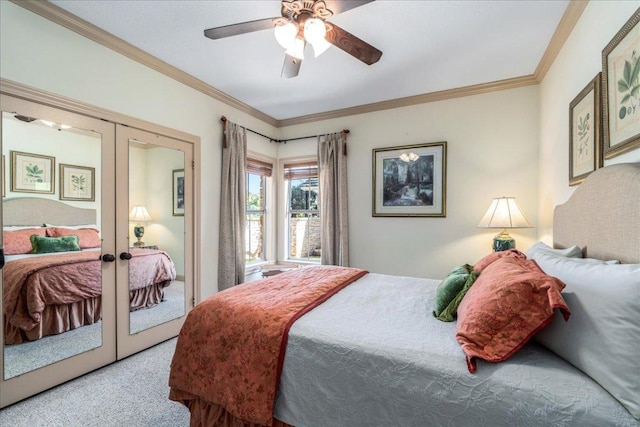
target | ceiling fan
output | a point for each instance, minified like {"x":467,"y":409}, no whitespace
{"x":305,"y":21}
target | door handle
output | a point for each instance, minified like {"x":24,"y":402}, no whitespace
{"x":107,"y":258}
{"x":1,"y":258}
{"x":125,"y":256}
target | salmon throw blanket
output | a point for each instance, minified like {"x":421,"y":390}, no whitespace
{"x":231,"y":348}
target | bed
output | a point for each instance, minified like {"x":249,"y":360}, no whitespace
{"x":369,"y":351}
{"x":52,"y":292}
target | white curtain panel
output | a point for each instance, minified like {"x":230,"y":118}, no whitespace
{"x":231,"y":259}
{"x":334,"y":228}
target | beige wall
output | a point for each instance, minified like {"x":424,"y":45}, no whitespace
{"x":492,"y":151}
{"x":577,"y":63}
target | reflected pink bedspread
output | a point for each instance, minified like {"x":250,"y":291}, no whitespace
{"x":30,"y":284}
{"x":231,"y":348}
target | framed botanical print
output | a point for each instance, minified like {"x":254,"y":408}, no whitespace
{"x":621,"y":90}
{"x":32,"y":173}
{"x":178,"y":192}
{"x":410,"y":180}
{"x":77,"y":183}
{"x":585,"y":132}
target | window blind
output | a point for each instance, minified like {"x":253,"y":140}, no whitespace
{"x":300,"y":170}
{"x":258,"y":167}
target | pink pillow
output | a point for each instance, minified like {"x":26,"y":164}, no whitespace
{"x":511,"y":301}
{"x":87,"y":237}
{"x":17,"y":242}
{"x":484,"y":262}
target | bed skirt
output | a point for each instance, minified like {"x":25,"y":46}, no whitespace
{"x":205,"y":414}
{"x":57,"y":319}
{"x":147,"y":297}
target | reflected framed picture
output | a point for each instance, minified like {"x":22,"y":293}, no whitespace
{"x":77,"y":183}
{"x":585,"y":132}
{"x":178,"y":192}
{"x":410,"y":180}
{"x":621,"y":90}
{"x":32,"y":173}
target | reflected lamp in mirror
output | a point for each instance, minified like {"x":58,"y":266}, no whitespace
{"x":139,"y":214}
{"x":504,"y":213}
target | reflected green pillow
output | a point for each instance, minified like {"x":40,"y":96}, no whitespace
{"x":45,"y":245}
{"x":451,"y":290}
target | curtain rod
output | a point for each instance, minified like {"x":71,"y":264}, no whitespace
{"x":279,"y":141}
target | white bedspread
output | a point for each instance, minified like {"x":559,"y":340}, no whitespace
{"x":374,"y":355}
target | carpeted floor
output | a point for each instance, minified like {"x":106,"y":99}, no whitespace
{"x":132,"y":392}
{"x":28,"y":356}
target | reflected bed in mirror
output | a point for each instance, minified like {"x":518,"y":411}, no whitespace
{"x":58,"y":289}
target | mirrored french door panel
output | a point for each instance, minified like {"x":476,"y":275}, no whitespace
{"x":154,"y":237}
{"x":58,"y":279}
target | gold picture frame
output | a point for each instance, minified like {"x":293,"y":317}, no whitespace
{"x":178,"y":192}
{"x":585,"y":132}
{"x":77,"y":183}
{"x":32,"y":173}
{"x":410,"y":181}
{"x":621,"y":90}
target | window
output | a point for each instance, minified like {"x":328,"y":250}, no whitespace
{"x":257,"y":174}
{"x":303,"y":215}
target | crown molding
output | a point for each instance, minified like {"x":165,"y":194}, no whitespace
{"x":565,"y":26}
{"x":414,"y":100}
{"x":60,"y":16}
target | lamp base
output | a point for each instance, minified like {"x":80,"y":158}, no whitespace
{"x":503,"y":242}
{"x":138,"y":243}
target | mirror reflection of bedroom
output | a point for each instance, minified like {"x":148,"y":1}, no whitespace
{"x":156,"y":227}
{"x":54,"y":273}
{"x":51,"y":237}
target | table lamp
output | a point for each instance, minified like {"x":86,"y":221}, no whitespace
{"x":504,"y":213}
{"x":139,"y":214}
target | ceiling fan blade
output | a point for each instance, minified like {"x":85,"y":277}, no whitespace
{"x":291,"y":67}
{"x":353,"y":45}
{"x":337,"y":6}
{"x":241,"y":28}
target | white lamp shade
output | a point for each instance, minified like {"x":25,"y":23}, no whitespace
{"x":286,"y":34}
{"x":314,"y":30}
{"x":297,"y":50}
{"x":139,"y":213}
{"x":320,"y":46}
{"x":504,"y":212}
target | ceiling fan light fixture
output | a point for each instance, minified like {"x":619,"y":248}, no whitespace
{"x":286,"y":34}
{"x":314,"y":30}
{"x":320,"y":46}
{"x":297,"y":50}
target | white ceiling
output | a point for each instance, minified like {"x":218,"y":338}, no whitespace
{"x":427,"y":46}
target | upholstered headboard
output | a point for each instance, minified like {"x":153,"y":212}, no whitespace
{"x":603,"y":215}
{"x":35,"y":211}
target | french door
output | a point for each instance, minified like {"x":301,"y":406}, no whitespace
{"x":155,"y":177}
{"x":41,"y":146}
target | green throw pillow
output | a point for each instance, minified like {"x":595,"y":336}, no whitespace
{"x":44,"y":245}
{"x":450,"y":292}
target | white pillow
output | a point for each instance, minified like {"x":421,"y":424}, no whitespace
{"x":541,"y":247}
{"x":19,"y":227}
{"x":602,"y":336}
{"x":74,"y":227}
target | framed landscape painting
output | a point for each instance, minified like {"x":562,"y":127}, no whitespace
{"x":32,"y":173}
{"x":585,"y":132}
{"x":178,"y":192}
{"x":77,"y":183}
{"x":621,"y":90}
{"x":410,"y":180}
